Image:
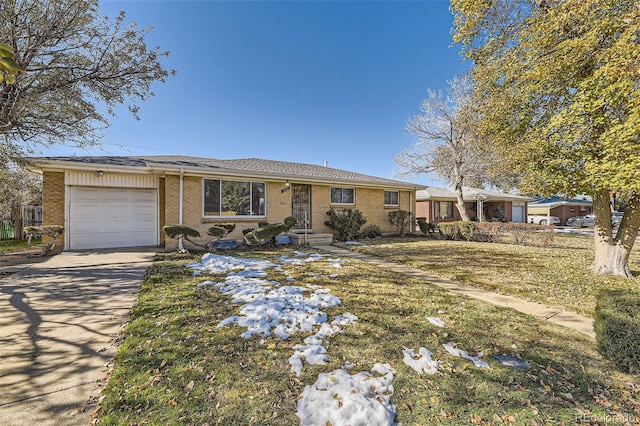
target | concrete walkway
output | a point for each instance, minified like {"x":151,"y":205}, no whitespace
{"x":555,"y":315}
{"x":58,"y":323}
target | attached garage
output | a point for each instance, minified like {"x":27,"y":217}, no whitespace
{"x":112,"y":217}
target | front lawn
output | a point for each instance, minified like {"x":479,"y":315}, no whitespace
{"x":556,"y":276}
{"x":7,"y":246}
{"x":177,"y":366}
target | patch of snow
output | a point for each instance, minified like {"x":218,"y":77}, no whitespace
{"x":353,"y":243}
{"x":342,"y":398}
{"x":281,"y":311}
{"x":458,"y":352}
{"x":268,"y":308}
{"x":436,"y":321}
{"x":301,"y":258}
{"x":217,"y":264}
{"x":312,"y":351}
{"x":345,"y":319}
{"x":421,"y":363}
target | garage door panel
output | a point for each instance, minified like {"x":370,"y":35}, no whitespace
{"x":145,"y":210}
{"x":112,"y":217}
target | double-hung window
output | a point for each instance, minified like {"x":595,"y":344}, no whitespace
{"x":391,"y":198}
{"x":444,"y":209}
{"x":343,"y":196}
{"x":233,"y":198}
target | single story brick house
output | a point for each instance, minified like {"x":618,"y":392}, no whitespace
{"x":438,"y":205}
{"x":124,"y":201}
{"x":562,"y":207}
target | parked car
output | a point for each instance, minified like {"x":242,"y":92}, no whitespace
{"x":589,"y":220}
{"x":541,"y":219}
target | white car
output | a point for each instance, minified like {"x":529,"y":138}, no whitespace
{"x":541,"y":219}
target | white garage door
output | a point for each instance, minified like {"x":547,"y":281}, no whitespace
{"x":112,"y":217}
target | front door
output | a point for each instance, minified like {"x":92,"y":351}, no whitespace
{"x":301,"y":205}
{"x":517,"y":214}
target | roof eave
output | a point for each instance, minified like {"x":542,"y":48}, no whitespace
{"x":163,"y":169}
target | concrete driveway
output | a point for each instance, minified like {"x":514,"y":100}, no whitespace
{"x":59,"y":320}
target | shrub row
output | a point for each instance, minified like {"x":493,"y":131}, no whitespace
{"x":522,"y":233}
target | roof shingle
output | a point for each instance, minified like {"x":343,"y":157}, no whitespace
{"x":257,"y":166}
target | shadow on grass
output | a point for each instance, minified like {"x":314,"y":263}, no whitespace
{"x":177,"y":366}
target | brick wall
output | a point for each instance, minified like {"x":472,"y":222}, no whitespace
{"x":369,"y":201}
{"x":171,"y":214}
{"x":53,"y":202}
{"x":320,"y":196}
{"x":424,"y":209}
{"x":278,"y":202}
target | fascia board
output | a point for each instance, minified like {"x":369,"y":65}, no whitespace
{"x":282,"y":177}
{"x":60,"y":166}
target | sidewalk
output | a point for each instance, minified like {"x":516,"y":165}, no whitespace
{"x":555,"y":315}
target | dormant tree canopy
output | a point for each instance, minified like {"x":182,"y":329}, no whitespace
{"x":79,"y":66}
{"x":448,"y":144}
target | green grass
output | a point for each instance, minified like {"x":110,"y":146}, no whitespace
{"x":556,"y":276}
{"x":176,"y":367}
{"x":7,"y":246}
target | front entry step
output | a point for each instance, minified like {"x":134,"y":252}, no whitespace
{"x":312,"y":238}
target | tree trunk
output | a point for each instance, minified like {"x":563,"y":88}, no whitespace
{"x":460,"y":201}
{"x":612,"y":254}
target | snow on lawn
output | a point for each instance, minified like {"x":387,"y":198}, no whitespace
{"x":270,"y":308}
{"x":422,"y":363}
{"x":477,"y":360}
{"x":340,"y":398}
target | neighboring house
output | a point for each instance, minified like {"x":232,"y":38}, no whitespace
{"x":108,"y":202}
{"x":560,"y":207}
{"x":439,"y":205}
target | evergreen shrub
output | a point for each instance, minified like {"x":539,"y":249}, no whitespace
{"x":346,"y":222}
{"x":424,"y":226}
{"x":401,"y":219}
{"x":371,"y":231}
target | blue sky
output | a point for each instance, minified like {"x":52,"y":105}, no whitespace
{"x":302,"y":81}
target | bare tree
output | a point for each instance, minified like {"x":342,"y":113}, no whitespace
{"x":447,"y":142}
{"x":17,"y":188}
{"x":78,"y":68}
